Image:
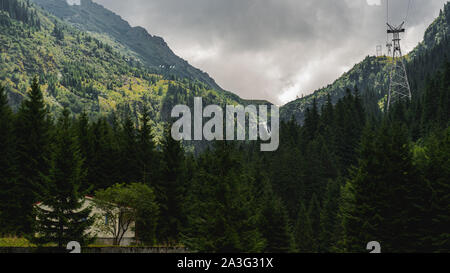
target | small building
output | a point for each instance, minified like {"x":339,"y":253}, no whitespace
{"x":106,"y":230}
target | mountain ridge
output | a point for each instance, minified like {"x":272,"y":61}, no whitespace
{"x":371,"y":74}
{"x":153,"y":50}
{"x":368,"y":75}
{"x":86,"y":71}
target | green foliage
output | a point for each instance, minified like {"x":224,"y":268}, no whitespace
{"x":171,"y":188}
{"x":147,"y":214}
{"x":129,"y":150}
{"x":329,"y":217}
{"x":102,"y":155}
{"x":145,"y":49}
{"x":146,"y":156}
{"x":97,"y":72}
{"x":33,"y":150}
{"x":437,"y":172}
{"x":9,"y":205}
{"x":21,"y":11}
{"x":332,"y":186}
{"x":15,"y":242}
{"x":314,"y":217}
{"x":61,"y":216}
{"x":386,"y":172}
{"x":221,"y":201}
{"x":58,"y":32}
{"x":276,"y":227}
{"x":304,"y":238}
{"x":124,"y":205}
{"x":222,"y":211}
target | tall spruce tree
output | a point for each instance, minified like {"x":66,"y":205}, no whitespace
{"x":275,"y":227}
{"x":9,"y":205}
{"x":32,"y":129}
{"x":328,"y":217}
{"x":223,"y":214}
{"x":128,"y":152}
{"x":146,"y":154}
{"x":349,"y":123}
{"x":437,"y":173}
{"x":345,"y":207}
{"x":83,"y":133}
{"x":388,"y":194}
{"x":61,"y":216}
{"x":304,"y":237}
{"x":287,"y":169}
{"x":171,"y":187}
{"x":314,"y":216}
{"x":102,"y":163}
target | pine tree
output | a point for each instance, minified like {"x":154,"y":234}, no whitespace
{"x":287,"y":170}
{"x":389,"y":194}
{"x":304,"y":238}
{"x":275,"y":227}
{"x":128,"y":152}
{"x":311,"y":125}
{"x":437,"y":173}
{"x":328,"y":217}
{"x":61,"y":217}
{"x":319,"y":168}
{"x":349,"y":123}
{"x":83,"y":133}
{"x":58,"y":32}
{"x":314,"y":216}
{"x":9,"y":206}
{"x":33,"y":130}
{"x":171,"y":188}
{"x":146,"y":155}
{"x":222,"y":214}
{"x":443,"y":112}
{"x":103,"y":170}
{"x":345,"y":207}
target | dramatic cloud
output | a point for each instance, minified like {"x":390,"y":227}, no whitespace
{"x":275,"y":49}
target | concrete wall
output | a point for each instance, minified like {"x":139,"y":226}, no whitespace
{"x":95,"y":250}
{"x":110,"y":241}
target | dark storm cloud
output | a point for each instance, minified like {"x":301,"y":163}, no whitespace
{"x":274,"y":49}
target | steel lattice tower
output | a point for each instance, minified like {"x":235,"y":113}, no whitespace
{"x":399,"y":88}
{"x":389,"y":48}
{"x":379,"y":50}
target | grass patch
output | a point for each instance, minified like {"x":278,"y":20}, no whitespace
{"x":15,"y":242}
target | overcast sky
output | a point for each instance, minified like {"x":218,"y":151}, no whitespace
{"x":275,"y":49}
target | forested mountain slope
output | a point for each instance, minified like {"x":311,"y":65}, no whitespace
{"x":152,"y":50}
{"x":371,"y":76}
{"x":85,"y":71}
{"x":348,"y":175}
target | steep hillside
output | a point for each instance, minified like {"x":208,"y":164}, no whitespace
{"x":371,"y":75}
{"x":151,"y":50}
{"x":79,"y":71}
